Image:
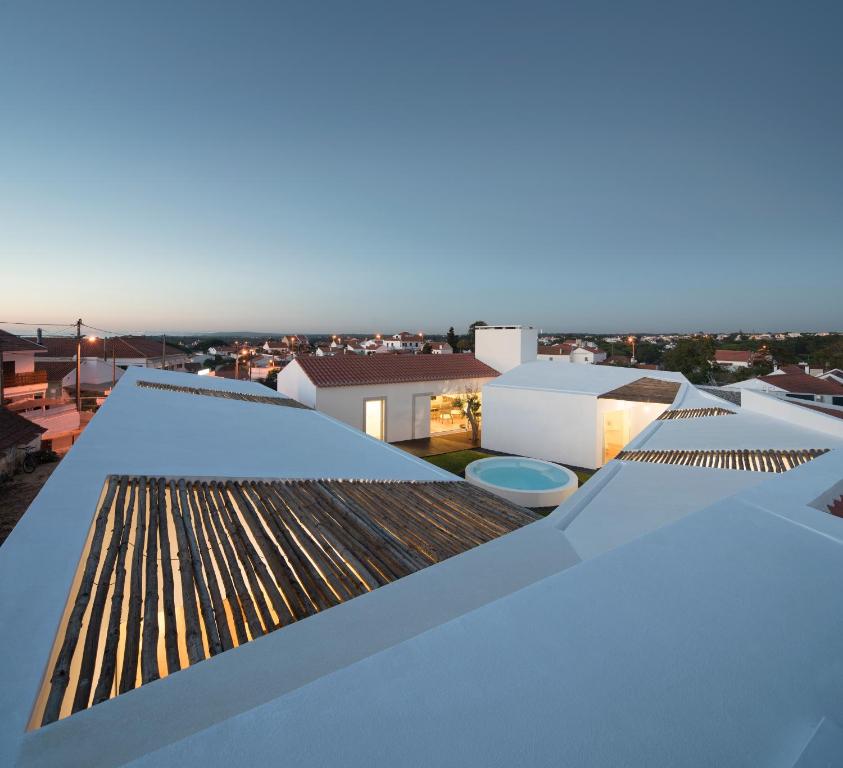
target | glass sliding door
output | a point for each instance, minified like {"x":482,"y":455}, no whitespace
{"x":374,"y":418}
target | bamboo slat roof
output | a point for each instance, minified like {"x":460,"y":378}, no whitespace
{"x":747,"y":460}
{"x":694,"y":413}
{"x":645,"y":390}
{"x":176,"y":570}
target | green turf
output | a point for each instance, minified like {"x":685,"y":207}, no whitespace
{"x":457,"y":460}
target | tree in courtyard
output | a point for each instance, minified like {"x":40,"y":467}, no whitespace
{"x":427,"y":349}
{"x":469,"y":403}
{"x":452,"y":338}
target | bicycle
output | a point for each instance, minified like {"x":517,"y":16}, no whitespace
{"x":32,"y":458}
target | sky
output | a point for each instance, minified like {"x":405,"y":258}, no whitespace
{"x":598,"y":166}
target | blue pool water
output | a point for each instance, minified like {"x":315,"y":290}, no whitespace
{"x":521,"y":475}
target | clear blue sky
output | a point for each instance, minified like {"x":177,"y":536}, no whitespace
{"x":354,"y":165}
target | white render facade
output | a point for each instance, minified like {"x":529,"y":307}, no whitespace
{"x":406,"y":409}
{"x":553,"y":412}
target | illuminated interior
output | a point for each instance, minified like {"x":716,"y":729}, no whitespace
{"x":447,"y":413}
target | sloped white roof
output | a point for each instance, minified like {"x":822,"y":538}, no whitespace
{"x":640,"y":624}
{"x":575,"y":377}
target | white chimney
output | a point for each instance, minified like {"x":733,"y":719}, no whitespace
{"x":504,"y":347}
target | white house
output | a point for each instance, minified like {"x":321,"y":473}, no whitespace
{"x":440,"y":348}
{"x":392,"y":397}
{"x":734,"y":359}
{"x":790,"y":381}
{"x":573,"y":414}
{"x":688,"y":580}
{"x":405,"y":341}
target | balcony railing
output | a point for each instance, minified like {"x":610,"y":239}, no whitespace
{"x":24,"y":379}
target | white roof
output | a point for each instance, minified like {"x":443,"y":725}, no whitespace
{"x":600,"y":635}
{"x":143,"y":431}
{"x":712,"y":641}
{"x":574,"y":377}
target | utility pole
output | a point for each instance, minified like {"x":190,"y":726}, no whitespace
{"x":78,"y":365}
{"x":163,"y":352}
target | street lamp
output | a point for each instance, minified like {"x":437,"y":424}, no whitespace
{"x":631,"y":340}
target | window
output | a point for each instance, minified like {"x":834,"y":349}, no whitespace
{"x":373,"y":418}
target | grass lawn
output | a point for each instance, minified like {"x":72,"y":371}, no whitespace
{"x":457,"y":460}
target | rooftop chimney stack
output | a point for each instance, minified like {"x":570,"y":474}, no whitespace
{"x":504,"y":347}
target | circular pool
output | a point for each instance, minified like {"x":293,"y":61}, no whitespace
{"x":528,"y":482}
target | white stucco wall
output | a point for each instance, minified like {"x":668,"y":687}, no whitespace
{"x":554,"y":426}
{"x":293,"y":382}
{"x":505,"y":347}
{"x":347,"y":403}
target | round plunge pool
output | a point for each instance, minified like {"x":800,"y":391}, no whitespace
{"x":528,"y":482}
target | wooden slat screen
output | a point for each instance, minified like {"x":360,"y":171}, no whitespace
{"x":747,"y":460}
{"x":694,"y":413}
{"x":263,"y":399}
{"x":179,"y":570}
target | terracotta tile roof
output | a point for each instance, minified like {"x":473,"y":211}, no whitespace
{"x":354,"y":370}
{"x":11,"y":343}
{"x":555,"y":349}
{"x":645,"y":390}
{"x":16,"y":430}
{"x":55,"y":371}
{"x":734,"y":355}
{"x":803,"y":383}
{"x":140,"y":347}
{"x":838,"y":414}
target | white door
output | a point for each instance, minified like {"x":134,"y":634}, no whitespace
{"x":421,"y":416}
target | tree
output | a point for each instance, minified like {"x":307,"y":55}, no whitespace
{"x":469,"y":404}
{"x":471,"y":330}
{"x":691,"y":357}
{"x":451,"y":338}
{"x":427,"y":349}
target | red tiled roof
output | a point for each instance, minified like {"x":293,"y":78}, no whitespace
{"x":354,"y":370}
{"x":55,"y":371}
{"x":124,"y":346}
{"x":11,"y":343}
{"x":838,"y":414}
{"x":734,"y":355}
{"x":803,"y":383}
{"x":556,"y":349}
{"x":16,"y":430}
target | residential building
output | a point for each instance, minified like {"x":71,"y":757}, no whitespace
{"x":412,"y":342}
{"x":392,"y":397}
{"x":19,"y":380}
{"x":692,"y":577}
{"x":578,"y":415}
{"x":440,"y":348}
{"x":790,"y":381}
{"x":144,"y":351}
{"x":735,"y":359}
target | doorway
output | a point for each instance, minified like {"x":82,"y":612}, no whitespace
{"x":374,"y":418}
{"x":615,"y":433}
